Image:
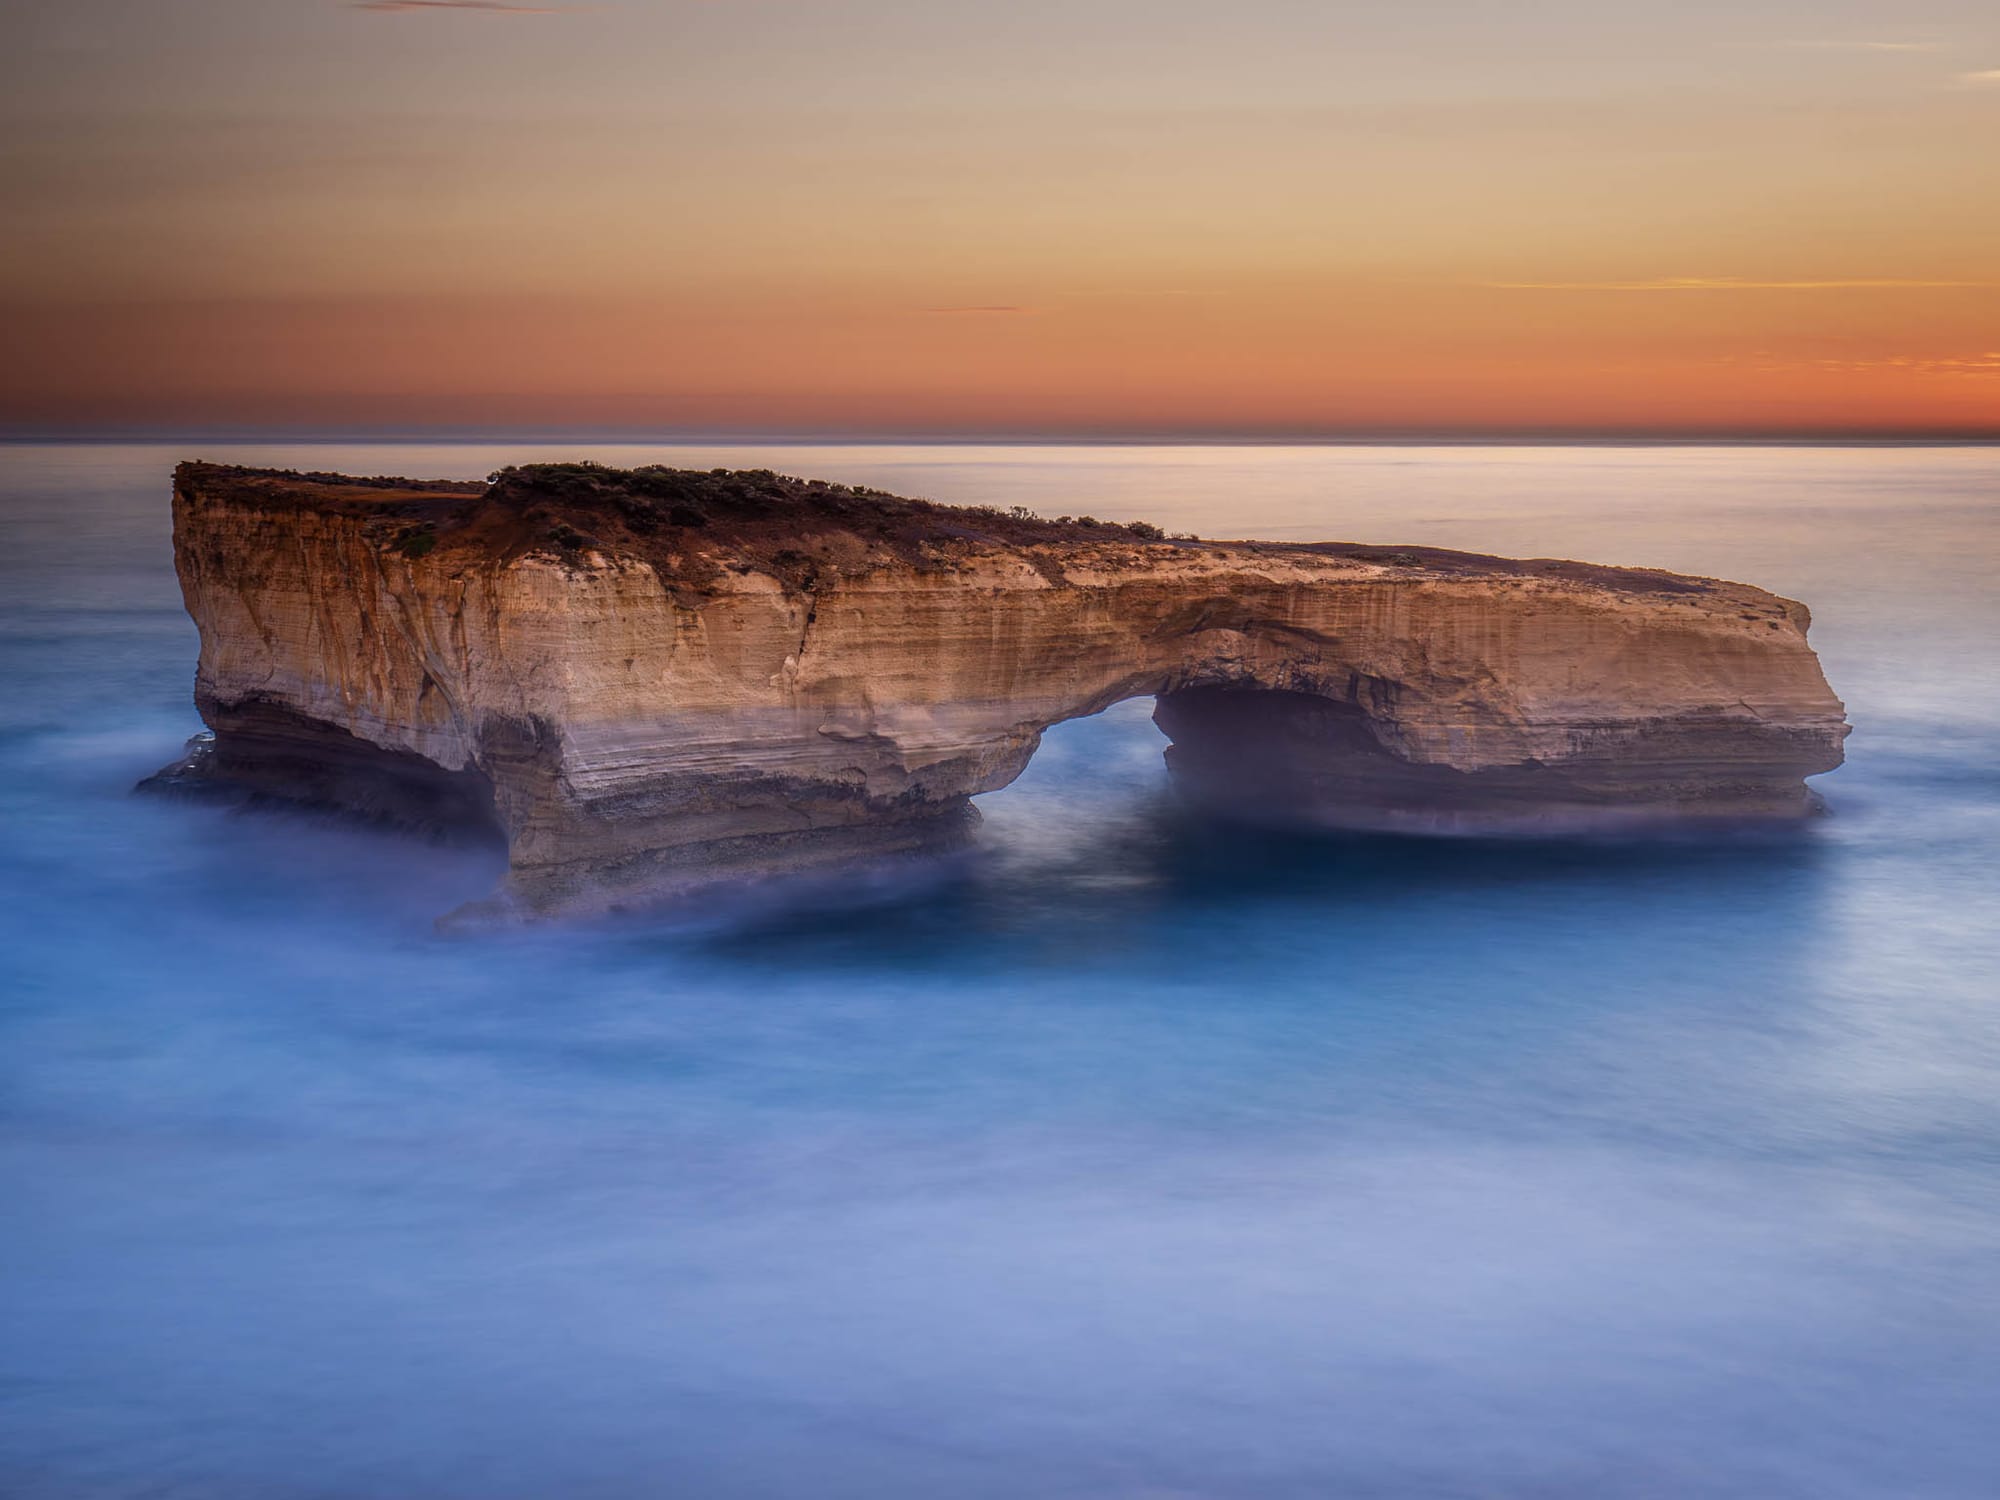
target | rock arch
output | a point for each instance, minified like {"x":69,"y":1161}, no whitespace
{"x":651,"y":706}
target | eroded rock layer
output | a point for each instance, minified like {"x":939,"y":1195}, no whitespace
{"x":656,"y":678}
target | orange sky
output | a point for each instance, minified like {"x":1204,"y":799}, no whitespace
{"x":798,"y":215}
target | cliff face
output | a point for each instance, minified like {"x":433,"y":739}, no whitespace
{"x":658,"y":678}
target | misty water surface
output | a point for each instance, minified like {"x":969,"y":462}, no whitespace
{"x":1131,"y":1158}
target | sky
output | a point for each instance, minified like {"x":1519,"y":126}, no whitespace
{"x":1087,"y":217}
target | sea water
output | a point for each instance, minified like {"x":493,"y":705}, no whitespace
{"x":1132,"y":1157}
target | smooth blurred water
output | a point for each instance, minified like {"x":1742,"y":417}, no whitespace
{"x":1136,"y":1159}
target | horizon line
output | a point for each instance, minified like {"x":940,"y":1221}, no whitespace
{"x":27,"y":433}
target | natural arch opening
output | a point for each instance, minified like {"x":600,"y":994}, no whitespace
{"x":1239,"y":750}
{"x":1088,"y":780}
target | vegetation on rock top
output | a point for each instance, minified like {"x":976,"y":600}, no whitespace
{"x":690,"y":523}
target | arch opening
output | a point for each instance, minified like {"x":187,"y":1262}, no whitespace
{"x":1238,"y":749}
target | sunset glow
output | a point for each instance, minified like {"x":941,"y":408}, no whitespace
{"x":886,"y":217}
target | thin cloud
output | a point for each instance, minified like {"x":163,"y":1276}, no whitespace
{"x":1964,"y":366}
{"x":983,"y":308}
{"x":1149,"y":291}
{"x":1975,"y":366}
{"x":1873,"y":46}
{"x":1985,"y":77}
{"x":480,"y":5}
{"x":1724,"y":284}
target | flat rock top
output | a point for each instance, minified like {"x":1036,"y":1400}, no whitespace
{"x":797,"y":526}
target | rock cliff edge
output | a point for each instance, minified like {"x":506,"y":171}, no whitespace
{"x":652,"y":679}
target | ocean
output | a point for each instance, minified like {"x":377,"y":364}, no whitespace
{"x":1129,"y":1157}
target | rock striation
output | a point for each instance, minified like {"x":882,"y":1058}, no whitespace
{"x":653,"y":679}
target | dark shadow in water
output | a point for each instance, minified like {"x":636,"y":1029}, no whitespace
{"x":1162,"y":873}
{"x":1212,"y":859}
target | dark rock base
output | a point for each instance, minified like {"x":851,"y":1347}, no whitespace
{"x":1295,"y":759}
{"x":262,"y":754}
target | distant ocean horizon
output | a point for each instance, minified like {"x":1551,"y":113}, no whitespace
{"x":33,"y":435}
{"x":1129,"y":1156}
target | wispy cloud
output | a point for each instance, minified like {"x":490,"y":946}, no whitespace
{"x":479,"y":5}
{"x":1977,"y":366}
{"x":1872,"y":46}
{"x":991,"y":308}
{"x":1987,"y":77}
{"x":1725,"y":284}
{"x":1984,"y":366}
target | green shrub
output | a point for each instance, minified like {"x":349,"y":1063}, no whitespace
{"x":418,"y":541}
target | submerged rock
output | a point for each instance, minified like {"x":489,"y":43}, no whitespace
{"x":655,"y":679}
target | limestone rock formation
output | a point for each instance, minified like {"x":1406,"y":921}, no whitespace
{"x":652,"y":679}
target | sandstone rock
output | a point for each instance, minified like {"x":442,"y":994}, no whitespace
{"x":656,"y":679}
